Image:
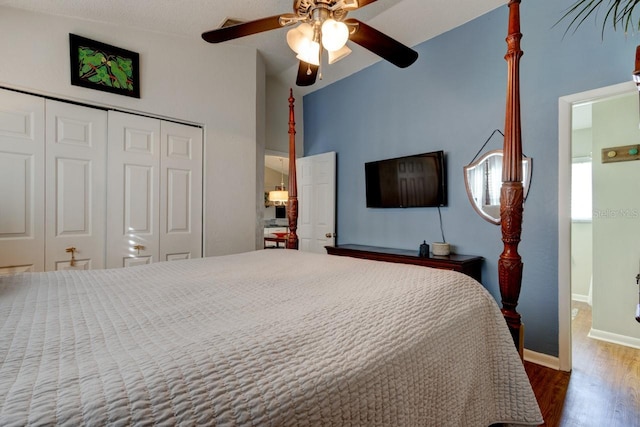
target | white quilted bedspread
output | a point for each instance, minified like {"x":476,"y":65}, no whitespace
{"x":243,"y":340}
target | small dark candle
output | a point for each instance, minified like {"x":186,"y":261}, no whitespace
{"x":424,"y":250}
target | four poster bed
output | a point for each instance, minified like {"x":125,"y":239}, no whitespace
{"x":248,"y":340}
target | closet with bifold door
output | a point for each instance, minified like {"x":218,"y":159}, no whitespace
{"x":154,"y":197}
{"x":87,"y":188}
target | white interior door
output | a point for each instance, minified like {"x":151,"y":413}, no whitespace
{"x":316,"y":202}
{"x":76,"y":145}
{"x":21,"y":182}
{"x":180,"y":192}
{"x":133,"y":190}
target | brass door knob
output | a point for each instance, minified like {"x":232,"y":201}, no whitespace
{"x":72,"y":250}
{"x":139,"y":248}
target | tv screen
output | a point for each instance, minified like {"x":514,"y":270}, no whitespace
{"x":407,"y":182}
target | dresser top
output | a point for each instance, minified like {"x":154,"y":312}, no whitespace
{"x":402,"y":252}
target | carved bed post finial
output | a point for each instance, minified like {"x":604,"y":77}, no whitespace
{"x":292,"y":205}
{"x":511,"y":195}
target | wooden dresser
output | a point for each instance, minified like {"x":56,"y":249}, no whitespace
{"x":467,"y":264}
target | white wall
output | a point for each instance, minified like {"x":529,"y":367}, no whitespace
{"x":182,"y":78}
{"x":581,"y":259}
{"x":616,"y":219}
{"x":278,"y":117}
{"x":261,"y":140}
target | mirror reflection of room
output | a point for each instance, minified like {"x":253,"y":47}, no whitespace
{"x":483,"y":181}
{"x":275,"y":195}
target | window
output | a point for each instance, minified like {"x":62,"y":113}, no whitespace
{"x":581,"y":202}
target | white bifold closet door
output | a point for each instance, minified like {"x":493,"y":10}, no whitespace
{"x":75,"y":186}
{"x":21,"y":182}
{"x":180,"y":191}
{"x":154,"y":199}
{"x":52,"y":184}
{"x":134,"y":190}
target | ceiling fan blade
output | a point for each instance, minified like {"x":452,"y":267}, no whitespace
{"x":241,"y":30}
{"x":352,"y":4}
{"x":381,"y":44}
{"x":307,"y":74}
{"x":362,"y":3}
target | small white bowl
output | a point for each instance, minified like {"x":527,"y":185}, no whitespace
{"x":440,"y":248}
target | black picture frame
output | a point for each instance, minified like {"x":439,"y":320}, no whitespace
{"x":101,"y":66}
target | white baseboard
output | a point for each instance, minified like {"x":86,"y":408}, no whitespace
{"x":614,"y":338}
{"x":542,"y":359}
{"x":580,"y":298}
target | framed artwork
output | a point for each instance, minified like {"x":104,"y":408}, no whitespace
{"x":100,"y":66}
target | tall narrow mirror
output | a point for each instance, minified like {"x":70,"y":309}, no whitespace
{"x":483,"y":180}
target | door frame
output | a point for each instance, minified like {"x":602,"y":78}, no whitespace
{"x":565,"y":106}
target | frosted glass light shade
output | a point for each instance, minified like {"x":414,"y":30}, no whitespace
{"x":296,"y":36}
{"x":309,"y":52}
{"x":334,"y":34}
{"x":337,"y":55}
{"x":278,"y":196}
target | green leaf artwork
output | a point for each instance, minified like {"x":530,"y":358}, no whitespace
{"x":101,"y":66}
{"x":104,"y":68}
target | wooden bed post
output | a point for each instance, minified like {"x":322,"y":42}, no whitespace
{"x":511,"y":194}
{"x":292,"y":205}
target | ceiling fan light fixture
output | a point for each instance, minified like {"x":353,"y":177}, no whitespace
{"x":322,"y":25}
{"x":309,"y":52}
{"x":296,"y":36}
{"x":337,"y":55}
{"x":294,"y":39}
{"x":334,"y":35}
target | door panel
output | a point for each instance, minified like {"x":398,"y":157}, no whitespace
{"x":178,"y":206}
{"x":316,"y":195}
{"x":132,"y":261}
{"x":22,"y":165}
{"x":76,"y":144}
{"x":78,"y":264}
{"x":17,"y":176}
{"x":73,"y":188}
{"x":133,"y":190}
{"x":181,"y":192}
{"x":139,"y":206}
{"x":178,"y":257}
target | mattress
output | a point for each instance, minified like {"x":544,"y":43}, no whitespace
{"x":266,"y":338}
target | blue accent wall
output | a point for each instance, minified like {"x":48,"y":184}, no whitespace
{"x":452,"y":98}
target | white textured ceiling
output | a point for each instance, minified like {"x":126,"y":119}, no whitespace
{"x":408,"y":21}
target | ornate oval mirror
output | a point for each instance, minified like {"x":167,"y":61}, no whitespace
{"x":483,"y":179}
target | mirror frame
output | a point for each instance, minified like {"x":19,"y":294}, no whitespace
{"x":526,"y":182}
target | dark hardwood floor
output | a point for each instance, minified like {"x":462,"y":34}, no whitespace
{"x":603,"y":388}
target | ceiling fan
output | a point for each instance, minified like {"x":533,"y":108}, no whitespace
{"x":322,"y":25}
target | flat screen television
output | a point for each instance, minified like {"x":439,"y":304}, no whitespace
{"x":407,"y":182}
